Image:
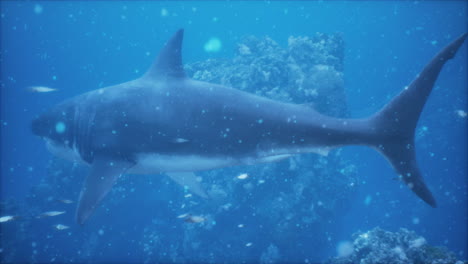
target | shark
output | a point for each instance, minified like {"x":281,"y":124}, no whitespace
{"x":167,"y":123}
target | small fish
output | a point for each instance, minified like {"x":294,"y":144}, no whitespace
{"x":65,"y":201}
{"x":61,"y":227}
{"x":194,"y":219}
{"x":243,"y":176}
{"x":180,"y":140}
{"x":51,"y":213}
{"x":183,"y":216}
{"x":8,"y":218}
{"x":41,"y":89}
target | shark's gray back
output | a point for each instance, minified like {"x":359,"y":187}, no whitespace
{"x":190,"y":117}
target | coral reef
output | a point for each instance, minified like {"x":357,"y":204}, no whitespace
{"x":378,"y":246}
{"x":308,"y":71}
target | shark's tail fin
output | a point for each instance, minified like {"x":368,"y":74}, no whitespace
{"x":395,"y":124}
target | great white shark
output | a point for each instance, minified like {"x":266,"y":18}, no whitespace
{"x":165,"y":122}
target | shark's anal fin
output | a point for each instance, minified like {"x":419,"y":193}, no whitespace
{"x":104,"y":173}
{"x":188,"y":180}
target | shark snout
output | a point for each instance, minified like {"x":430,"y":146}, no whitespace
{"x":40,"y":126}
{"x":36,"y":126}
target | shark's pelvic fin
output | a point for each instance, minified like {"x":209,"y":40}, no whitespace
{"x":168,"y":64}
{"x":103,"y":175}
{"x":188,"y":180}
{"x":395,"y":124}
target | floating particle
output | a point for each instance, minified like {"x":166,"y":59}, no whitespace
{"x":368,"y":200}
{"x":415,"y":220}
{"x":243,"y":176}
{"x":60,"y":127}
{"x":249,"y":244}
{"x":38,"y":9}
{"x":101,"y":232}
{"x":240,"y":225}
{"x":213,"y":45}
{"x":164,"y":12}
{"x":461,"y":113}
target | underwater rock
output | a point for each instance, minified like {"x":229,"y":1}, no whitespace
{"x":401,"y":247}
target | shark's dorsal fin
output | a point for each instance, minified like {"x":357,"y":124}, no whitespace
{"x":168,"y":64}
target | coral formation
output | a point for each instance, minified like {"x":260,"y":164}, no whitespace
{"x":309,"y":70}
{"x":378,"y":246}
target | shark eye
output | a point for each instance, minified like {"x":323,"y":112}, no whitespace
{"x":60,"y":127}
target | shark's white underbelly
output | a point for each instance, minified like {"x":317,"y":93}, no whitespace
{"x":151,"y":163}
{"x":156,"y":163}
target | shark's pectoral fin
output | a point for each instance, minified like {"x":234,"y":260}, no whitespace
{"x":188,"y":180}
{"x":275,"y":158}
{"x":104,"y":173}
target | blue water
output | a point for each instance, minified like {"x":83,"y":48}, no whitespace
{"x":81,"y":46}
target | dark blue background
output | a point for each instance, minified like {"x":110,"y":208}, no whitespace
{"x":87,"y":45}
